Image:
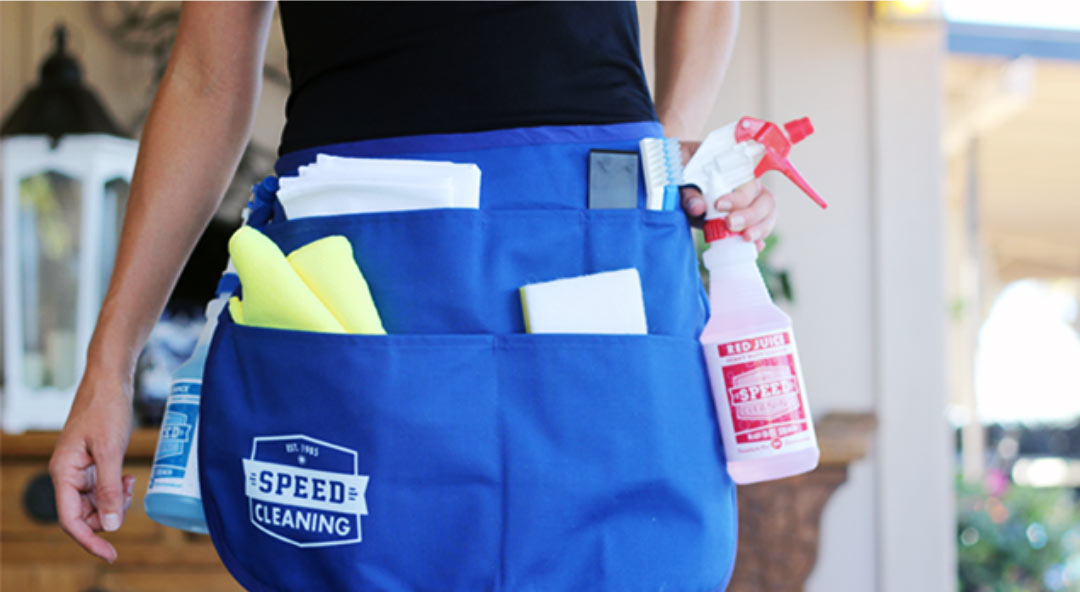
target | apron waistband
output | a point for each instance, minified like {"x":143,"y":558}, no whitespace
{"x":465,"y":142}
{"x":520,"y":168}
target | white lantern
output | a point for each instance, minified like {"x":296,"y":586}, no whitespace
{"x":66,"y":174}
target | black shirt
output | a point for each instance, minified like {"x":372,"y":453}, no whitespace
{"x":363,"y":70}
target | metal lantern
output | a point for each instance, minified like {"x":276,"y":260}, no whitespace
{"x":65,"y":179}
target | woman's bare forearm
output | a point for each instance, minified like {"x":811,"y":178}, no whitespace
{"x":191,"y":144}
{"x":694,"y":42}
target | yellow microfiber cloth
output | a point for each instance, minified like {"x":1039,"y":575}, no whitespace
{"x":274,"y":295}
{"x":236,"y":309}
{"x":328,"y":268}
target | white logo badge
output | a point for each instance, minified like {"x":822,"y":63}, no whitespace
{"x":305,"y":491}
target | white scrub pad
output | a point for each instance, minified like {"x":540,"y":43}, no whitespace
{"x":609,"y":302}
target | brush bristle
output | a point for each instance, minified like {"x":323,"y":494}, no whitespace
{"x":662,"y":162}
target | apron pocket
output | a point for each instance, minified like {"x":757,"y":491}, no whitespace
{"x":466,"y":462}
{"x":459,"y":271}
{"x":613,"y":465}
{"x":346,"y":462}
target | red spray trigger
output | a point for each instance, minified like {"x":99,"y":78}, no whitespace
{"x":798,"y":129}
{"x":777,"y":146}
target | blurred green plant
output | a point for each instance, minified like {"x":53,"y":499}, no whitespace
{"x":777,"y":280}
{"x":38,"y":198}
{"x":1012,"y":538}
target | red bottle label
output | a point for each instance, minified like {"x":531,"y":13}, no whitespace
{"x":763,"y":387}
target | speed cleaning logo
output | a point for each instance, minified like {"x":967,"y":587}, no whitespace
{"x":305,"y":491}
{"x":764,"y":393}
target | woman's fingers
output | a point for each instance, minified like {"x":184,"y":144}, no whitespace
{"x":693,"y":203}
{"x":750,"y":209}
{"x":129,"y":492}
{"x":109,"y":458}
{"x":753,"y":214}
{"x":762,"y":229}
{"x":72,"y":478}
{"x":741,"y":197}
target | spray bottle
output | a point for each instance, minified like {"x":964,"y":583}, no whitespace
{"x":173,"y":497}
{"x":749,"y":348}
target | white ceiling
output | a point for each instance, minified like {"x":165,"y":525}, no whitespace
{"x":1024,"y":118}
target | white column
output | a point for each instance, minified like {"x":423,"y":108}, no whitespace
{"x":915,"y":452}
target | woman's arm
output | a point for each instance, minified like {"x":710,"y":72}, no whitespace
{"x":693,"y":48}
{"x":694,"y":42}
{"x":191,"y":144}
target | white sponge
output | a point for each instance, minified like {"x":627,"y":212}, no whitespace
{"x":609,"y":302}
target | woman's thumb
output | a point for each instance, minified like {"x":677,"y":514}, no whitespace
{"x":110,"y":488}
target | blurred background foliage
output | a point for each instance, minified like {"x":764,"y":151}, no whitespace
{"x":1013,"y":538}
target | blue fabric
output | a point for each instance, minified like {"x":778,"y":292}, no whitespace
{"x":471,"y":456}
{"x":521,"y":168}
{"x":264,"y":205}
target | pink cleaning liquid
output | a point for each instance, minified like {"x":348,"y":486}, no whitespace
{"x":754,"y":371}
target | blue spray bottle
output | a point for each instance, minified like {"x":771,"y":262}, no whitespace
{"x":173,"y":497}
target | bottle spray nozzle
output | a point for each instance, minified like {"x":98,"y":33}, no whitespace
{"x":798,"y":129}
{"x":776,"y":147}
{"x":726,"y":159}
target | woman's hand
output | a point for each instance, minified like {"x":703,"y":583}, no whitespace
{"x":751,"y":207}
{"x":91,"y":495}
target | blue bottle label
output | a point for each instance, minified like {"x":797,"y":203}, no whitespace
{"x":175,"y":469}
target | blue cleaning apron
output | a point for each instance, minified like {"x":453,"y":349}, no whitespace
{"x":457,"y":453}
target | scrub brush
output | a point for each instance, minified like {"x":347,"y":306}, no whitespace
{"x":661,"y":159}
